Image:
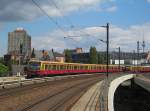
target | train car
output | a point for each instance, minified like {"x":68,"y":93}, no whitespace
{"x":140,"y":69}
{"x":45,"y":68}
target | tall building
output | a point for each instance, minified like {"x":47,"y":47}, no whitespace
{"x":19,"y":43}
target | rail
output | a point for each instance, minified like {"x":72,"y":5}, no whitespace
{"x":19,"y":81}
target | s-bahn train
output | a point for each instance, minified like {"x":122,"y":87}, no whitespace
{"x":45,"y":68}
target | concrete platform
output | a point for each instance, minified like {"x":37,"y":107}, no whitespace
{"x":88,"y":102}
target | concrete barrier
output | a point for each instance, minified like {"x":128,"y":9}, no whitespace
{"x":143,"y":82}
{"x":112,"y":88}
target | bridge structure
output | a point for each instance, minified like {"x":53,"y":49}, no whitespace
{"x":107,"y":89}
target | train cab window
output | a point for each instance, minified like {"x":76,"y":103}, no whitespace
{"x":34,"y":65}
{"x":43,"y":66}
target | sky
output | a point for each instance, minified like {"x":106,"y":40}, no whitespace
{"x":61,"y":24}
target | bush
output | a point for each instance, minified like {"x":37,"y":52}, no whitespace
{"x":3,"y":70}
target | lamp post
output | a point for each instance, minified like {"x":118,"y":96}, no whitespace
{"x":107,"y":48}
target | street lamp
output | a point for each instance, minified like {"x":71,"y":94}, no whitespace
{"x":71,"y":37}
{"x":107,"y":43}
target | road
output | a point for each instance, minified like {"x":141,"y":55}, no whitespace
{"x":58,"y":95}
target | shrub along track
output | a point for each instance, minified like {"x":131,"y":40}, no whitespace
{"x":55,"y":95}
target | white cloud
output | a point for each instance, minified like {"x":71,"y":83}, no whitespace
{"x":21,"y":10}
{"x":148,"y":1}
{"x":111,"y":9}
{"x":125,"y":38}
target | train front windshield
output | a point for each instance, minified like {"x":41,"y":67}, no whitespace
{"x":34,"y":65}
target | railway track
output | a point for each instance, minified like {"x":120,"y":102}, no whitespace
{"x":4,"y":93}
{"x":60,"y":96}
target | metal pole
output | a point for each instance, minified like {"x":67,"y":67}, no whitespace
{"x":107,"y":27}
{"x":134,"y":55}
{"x":119,"y":59}
{"x":138,"y":52}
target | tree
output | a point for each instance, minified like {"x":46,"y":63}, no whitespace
{"x":3,"y":70}
{"x":68,"y":57}
{"x":102,"y":58}
{"x":93,"y":56}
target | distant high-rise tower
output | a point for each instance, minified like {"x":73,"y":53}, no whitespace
{"x":19,"y":43}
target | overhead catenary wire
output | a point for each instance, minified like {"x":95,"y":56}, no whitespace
{"x":49,"y":17}
{"x":55,"y":22}
{"x":61,"y":12}
{"x":67,"y":19}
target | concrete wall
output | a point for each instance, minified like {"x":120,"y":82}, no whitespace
{"x":112,"y":88}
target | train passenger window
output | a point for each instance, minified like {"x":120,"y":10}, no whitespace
{"x":61,"y":67}
{"x":81,"y":67}
{"x":57,"y":67}
{"x":75,"y":67}
{"x":86,"y":67}
{"x":72,"y":67}
{"x":68,"y":67}
{"x":99,"y":67}
{"x":46,"y":67}
{"x":89,"y":67}
{"x":54,"y":67}
{"x":49,"y":67}
{"x":65,"y":67}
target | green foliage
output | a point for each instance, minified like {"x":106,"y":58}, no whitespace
{"x":3,"y":69}
{"x":68,"y":57}
{"x":93,"y":56}
{"x":102,"y":58}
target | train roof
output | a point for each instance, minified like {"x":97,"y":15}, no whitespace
{"x":52,"y":62}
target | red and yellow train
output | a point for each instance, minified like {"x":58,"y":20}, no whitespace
{"x":45,"y":68}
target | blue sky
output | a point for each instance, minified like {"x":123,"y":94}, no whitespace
{"x":129,"y":21}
